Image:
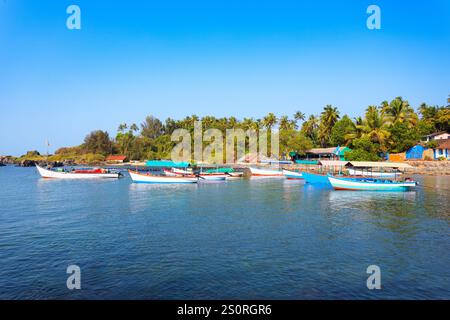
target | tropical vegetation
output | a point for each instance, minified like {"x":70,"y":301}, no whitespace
{"x":393,"y":126}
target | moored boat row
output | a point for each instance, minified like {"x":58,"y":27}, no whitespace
{"x":338,"y":182}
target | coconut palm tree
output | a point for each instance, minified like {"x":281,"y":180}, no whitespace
{"x":310,"y":127}
{"x":328,"y":118}
{"x":270,"y":120}
{"x":286,"y":124}
{"x":399,"y":111}
{"x":375,"y":127}
{"x":356,"y":132}
{"x":247,"y":123}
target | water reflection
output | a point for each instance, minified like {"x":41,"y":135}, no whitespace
{"x":142,"y":196}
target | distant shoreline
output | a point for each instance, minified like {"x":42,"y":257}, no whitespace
{"x":431,"y":168}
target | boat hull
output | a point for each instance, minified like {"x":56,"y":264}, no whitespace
{"x":265,"y":172}
{"x":292,"y":175}
{"x":137,"y":177}
{"x":235,"y":175}
{"x":315,"y":178}
{"x":354,"y":172}
{"x":50,"y":174}
{"x":180,"y":171}
{"x":363,"y":185}
{"x":212,"y":177}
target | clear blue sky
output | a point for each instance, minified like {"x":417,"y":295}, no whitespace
{"x":217,"y":57}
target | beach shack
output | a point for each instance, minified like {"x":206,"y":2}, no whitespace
{"x":116,"y":159}
{"x":312,"y":156}
{"x":442,"y":151}
{"x":415,"y":153}
{"x":442,"y":135}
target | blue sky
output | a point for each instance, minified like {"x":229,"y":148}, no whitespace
{"x":223,"y":58}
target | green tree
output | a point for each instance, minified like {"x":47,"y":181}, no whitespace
{"x":269,"y":121}
{"x":328,"y":119}
{"x":310,"y":128}
{"x":375,"y":127}
{"x":399,"y":110}
{"x":98,"y":142}
{"x":364,"y":150}
{"x":286,"y":124}
{"x":403,"y":137}
{"x":341,"y":130}
{"x":152,"y":127}
{"x":292,"y":140}
{"x":125,"y":139}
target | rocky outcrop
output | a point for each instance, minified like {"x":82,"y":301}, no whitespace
{"x":32,"y":163}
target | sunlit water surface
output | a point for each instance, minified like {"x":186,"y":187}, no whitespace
{"x":249,"y":239}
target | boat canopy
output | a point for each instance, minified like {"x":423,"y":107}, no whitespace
{"x":167,"y":163}
{"x":374,"y":164}
{"x":220,"y":170}
{"x":333,"y":163}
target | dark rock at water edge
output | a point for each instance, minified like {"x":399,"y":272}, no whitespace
{"x":32,"y":163}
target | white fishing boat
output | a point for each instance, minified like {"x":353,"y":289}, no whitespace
{"x":370,"y":184}
{"x":265,"y":172}
{"x":181,"y":171}
{"x":213,"y":176}
{"x":366,"y":173}
{"x":77,"y":174}
{"x":234,"y":175}
{"x":292,"y":174}
{"x":138,"y":177}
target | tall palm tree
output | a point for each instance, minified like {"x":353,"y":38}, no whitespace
{"x":310,"y":127}
{"x":328,"y":118}
{"x":286,"y":124}
{"x":270,"y":120}
{"x":375,"y":127}
{"x":399,"y":111}
{"x":356,"y":131}
{"x":247,"y":123}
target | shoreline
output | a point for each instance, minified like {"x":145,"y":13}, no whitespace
{"x":430,"y":168}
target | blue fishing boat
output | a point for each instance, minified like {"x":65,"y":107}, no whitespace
{"x":370,"y":184}
{"x":316,"y":178}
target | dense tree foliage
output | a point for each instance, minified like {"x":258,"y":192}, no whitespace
{"x":98,"y":142}
{"x":390,"y":127}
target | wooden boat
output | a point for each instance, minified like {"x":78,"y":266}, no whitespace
{"x":181,"y":171}
{"x":370,"y":184}
{"x":138,"y":177}
{"x":170,"y":173}
{"x":292,"y":174}
{"x":265,"y":172}
{"x":354,"y":172}
{"x":229,"y":173}
{"x":235,"y":175}
{"x":212,"y":176}
{"x":78,"y":174}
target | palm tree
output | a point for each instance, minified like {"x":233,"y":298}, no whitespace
{"x":270,"y":120}
{"x":122,"y":127}
{"x":375,"y":127}
{"x":310,"y":127}
{"x":286,"y":124}
{"x":246,"y":124}
{"x":328,"y":118}
{"x":356,"y":132}
{"x":399,"y":111}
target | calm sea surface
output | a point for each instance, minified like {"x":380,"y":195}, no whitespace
{"x":249,"y":239}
